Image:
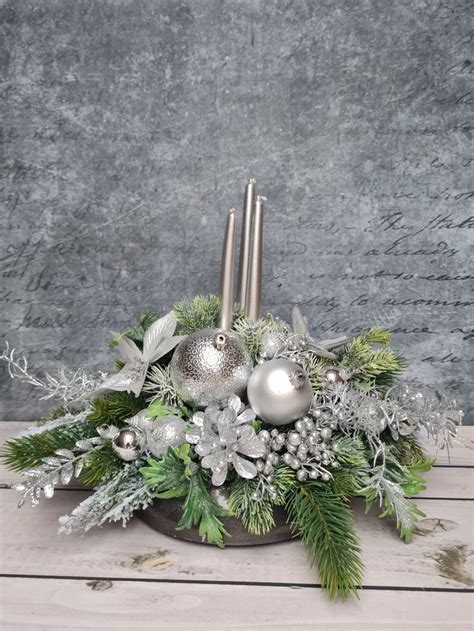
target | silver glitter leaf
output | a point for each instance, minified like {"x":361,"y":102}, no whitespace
{"x":48,"y":490}
{"x":65,"y":453}
{"x":52,"y":461}
{"x":66,"y":474}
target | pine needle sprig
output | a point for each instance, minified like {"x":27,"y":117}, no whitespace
{"x":100,"y":465}
{"x":407,"y":450}
{"x":324,"y":522}
{"x":115,"y":408}
{"x":160,"y":386}
{"x":26,"y":452}
{"x":251,"y":333}
{"x":256,"y":515}
{"x":371,"y":365}
{"x":199,"y":313}
{"x":200,"y":509}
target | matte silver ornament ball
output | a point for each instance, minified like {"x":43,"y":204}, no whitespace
{"x":279,"y":391}
{"x":209,"y":366}
{"x":127,"y":443}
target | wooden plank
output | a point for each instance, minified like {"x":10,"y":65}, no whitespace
{"x":442,"y":481}
{"x":47,"y":604}
{"x":460,"y":455}
{"x":439,"y":556}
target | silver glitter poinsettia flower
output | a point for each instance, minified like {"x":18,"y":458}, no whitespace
{"x":223,"y":437}
{"x":157,"y":341}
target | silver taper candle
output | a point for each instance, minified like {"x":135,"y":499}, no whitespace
{"x":226,"y":286}
{"x":254,"y":289}
{"x":245,"y":242}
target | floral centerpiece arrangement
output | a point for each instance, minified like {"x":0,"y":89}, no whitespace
{"x":238,"y":416}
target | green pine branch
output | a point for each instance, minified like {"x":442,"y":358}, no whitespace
{"x":115,"y":408}
{"x":26,"y":452}
{"x":324,"y":522}
{"x":101,"y":465}
{"x":199,"y":313}
{"x":379,"y":365}
{"x":257,"y":515}
{"x":201,"y":510}
{"x":407,"y":450}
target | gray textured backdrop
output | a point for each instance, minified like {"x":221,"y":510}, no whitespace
{"x":131,"y":126}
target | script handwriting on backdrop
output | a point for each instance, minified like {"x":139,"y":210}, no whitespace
{"x":123,"y":156}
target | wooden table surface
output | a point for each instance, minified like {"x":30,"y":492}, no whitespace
{"x":135,"y":578}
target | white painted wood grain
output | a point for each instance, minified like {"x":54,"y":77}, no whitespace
{"x":73,"y":605}
{"x":31,"y":546}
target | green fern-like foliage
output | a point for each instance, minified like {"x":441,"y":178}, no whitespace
{"x":324,"y":522}
{"x":136,"y":333}
{"x":368,"y":364}
{"x":26,"y":452}
{"x":115,"y":408}
{"x":170,"y":476}
{"x":199,"y":313}
{"x":101,"y":465}
{"x":200,"y":509}
{"x":257,"y":515}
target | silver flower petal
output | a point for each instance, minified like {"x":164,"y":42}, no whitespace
{"x":247,"y":416}
{"x":219,"y":475}
{"x":244,"y":468}
{"x":235,"y":404}
{"x":250,"y":444}
{"x":193,"y":436}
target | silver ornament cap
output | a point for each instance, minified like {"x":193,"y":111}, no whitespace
{"x":209,"y":366}
{"x":279,"y":391}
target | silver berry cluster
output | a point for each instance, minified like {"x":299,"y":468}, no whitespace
{"x":304,"y":448}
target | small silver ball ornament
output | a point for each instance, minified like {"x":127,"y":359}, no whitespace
{"x":279,"y":391}
{"x":127,"y":443}
{"x":334,"y":375}
{"x":209,"y":366}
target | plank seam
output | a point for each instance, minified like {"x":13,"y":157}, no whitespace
{"x":121,"y":579}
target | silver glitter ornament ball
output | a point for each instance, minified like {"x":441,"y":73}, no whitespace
{"x":209,"y":366}
{"x":279,"y":391}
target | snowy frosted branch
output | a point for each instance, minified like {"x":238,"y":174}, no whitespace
{"x":67,"y":387}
